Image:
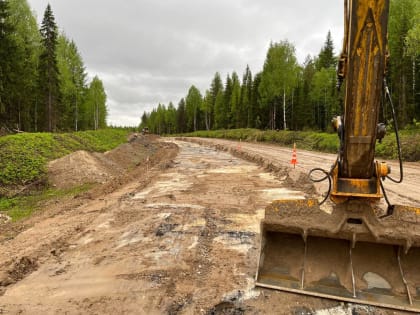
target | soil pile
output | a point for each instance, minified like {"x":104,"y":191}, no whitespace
{"x":82,"y":167}
{"x":78,"y":168}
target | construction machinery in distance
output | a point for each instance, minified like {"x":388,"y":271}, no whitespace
{"x":355,"y":253}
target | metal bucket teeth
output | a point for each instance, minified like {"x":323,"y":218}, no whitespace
{"x":369,"y":272}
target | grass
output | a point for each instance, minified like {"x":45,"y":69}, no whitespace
{"x":24,"y":157}
{"x":325,"y":142}
{"x":18,"y":208}
{"x":321,"y":141}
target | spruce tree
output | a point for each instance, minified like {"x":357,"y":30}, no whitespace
{"x":234,"y":103}
{"x":48,"y":70}
{"x":326,"y":58}
{"x":246,"y":94}
{"x":7,"y":52}
{"x":257,"y":115}
{"x":215,"y":87}
{"x":181,"y":117}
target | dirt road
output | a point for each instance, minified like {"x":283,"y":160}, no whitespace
{"x":181,"y":238}
{"x":405,"y":193}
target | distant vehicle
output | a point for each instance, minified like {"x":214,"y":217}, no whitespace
{"x":145,"y":131}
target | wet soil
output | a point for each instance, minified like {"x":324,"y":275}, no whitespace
{"x":170,"y":234}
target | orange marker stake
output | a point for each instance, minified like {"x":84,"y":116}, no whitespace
{"x":294,"y":157}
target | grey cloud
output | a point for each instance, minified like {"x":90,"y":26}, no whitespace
{"x":151,"y":51}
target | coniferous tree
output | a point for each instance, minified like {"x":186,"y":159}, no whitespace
{"x":307,"y":116}
{"x":326,"y":58}
{"x":219,"y":110}
{"x":215,"y":87}
{"x":323,"y":86}
{"x":256,"y":103}
{"x":401,"y":77}
{"x":413,"y":51}
{"x":7,"y":62}
{"x":234,"y":103}
{"x":246,"y":95}
{"x":48,"y":70}
{"x":24,"y":94}
{"x":181,"y":117}
{"x":170,"y":119}
{"x":144,"y":120}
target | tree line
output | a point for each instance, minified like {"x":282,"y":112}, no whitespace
{"x":43,"y":81}
{"x":289,"y":95}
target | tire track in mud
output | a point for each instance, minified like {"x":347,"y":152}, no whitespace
{"x":205,"y":246}
{"x":201,"y":266}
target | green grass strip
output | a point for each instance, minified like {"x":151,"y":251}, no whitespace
{"x":320,"y":141}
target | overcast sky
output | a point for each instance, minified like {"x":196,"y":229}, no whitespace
{"x":148,"y":52}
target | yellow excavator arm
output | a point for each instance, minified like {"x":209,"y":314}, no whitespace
{"x":363,"y":65}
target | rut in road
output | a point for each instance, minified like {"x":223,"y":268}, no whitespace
{"x":186,"y":243}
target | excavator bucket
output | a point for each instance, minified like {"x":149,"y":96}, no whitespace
{"x":349,"y":255}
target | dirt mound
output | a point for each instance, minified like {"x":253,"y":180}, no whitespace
{"x":82,"y":167}
{"x":77,"y":168}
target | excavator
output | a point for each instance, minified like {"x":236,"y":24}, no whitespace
{"x":357,"y":252}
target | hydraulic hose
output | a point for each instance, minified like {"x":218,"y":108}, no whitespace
{"x":394,"y":118}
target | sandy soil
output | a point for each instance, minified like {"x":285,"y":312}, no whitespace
{"x":161,"y":234}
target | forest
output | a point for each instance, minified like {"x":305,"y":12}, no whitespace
{"x":286,"y":95}
{"x":43,"y":80}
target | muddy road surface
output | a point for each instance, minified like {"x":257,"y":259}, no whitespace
{"x":405,"y":193}
{"x":180,"y":238}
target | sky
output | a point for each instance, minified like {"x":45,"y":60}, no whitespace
{"x":148,"y":52}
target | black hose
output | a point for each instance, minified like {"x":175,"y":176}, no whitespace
{"x":394,"y":117}
{"x":390,"y":209}
{"x":327,"y":176}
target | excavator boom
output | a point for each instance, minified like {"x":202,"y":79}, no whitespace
{"x":365,"y":52}
{"x":351,"y":254}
